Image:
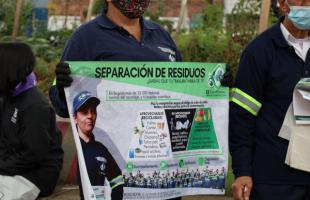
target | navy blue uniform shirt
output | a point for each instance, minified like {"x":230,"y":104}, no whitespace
{"x":102,"y":40}
{"x":268,"y":72}
{"x":98,"y":162}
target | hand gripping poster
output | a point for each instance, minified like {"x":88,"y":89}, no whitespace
{"x":149,"y":130}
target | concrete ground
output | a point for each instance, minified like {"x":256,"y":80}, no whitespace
{"x":71,"y":192}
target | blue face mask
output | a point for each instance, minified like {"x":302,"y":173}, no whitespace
{"x":300,"y":17}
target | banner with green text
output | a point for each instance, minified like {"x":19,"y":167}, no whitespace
{"x":164,"y":125}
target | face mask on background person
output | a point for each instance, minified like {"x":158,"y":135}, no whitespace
{"x":131,"y":8}
{"x":300,"y":16}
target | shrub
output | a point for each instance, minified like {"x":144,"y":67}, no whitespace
{"x":7,"y":13}
{"x":215,"y":43}
{"x":45,"y":74}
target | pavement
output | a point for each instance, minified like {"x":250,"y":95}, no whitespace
{"x":71,"y":192}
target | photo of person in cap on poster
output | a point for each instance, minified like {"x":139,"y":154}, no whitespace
{"x":99,"y":162}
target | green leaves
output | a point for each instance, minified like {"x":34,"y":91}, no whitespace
{"x":7,"y":13}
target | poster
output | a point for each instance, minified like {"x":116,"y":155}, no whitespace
{"x":164,"y":123}
{"x":301,"y":101}
{"x":295,"y":127}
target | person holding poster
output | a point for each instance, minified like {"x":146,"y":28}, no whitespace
{"x":270,"y":67}
{"x":97,"y":158}
{"x":30,"y":143}
{"x":120,"y":33}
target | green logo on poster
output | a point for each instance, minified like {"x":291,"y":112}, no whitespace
{"x":215,"y":77}
{"x":163,"y":165}
{"x":85,"y":71}
{"x":200,"y":161}
{"x":181,"y":163}
{"x":129,"y":166}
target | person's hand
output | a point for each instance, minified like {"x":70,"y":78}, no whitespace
{"x":228,"y":78}
{"x":242,"y":187}
{"x":63,"y":78}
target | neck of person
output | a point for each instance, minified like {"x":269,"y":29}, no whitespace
{"x":83,"y":136}
{"x":297,"y":33}
{"x":131,"y":25}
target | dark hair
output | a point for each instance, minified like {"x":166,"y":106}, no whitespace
{"x":16,"y":63}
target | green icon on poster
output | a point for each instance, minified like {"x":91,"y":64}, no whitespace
{"x":200,"y":161}
{"x":163,"y":165}
{"x":129,"y":166}
{"x":181,"y":163}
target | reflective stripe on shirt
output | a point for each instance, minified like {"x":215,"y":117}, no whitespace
{"x":116,"y":182}
{"x":245,"y":101}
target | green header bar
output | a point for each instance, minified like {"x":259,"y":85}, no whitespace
{"x":197,"y":79}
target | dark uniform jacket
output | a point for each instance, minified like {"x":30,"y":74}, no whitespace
{"x":30,"y":143}
{"x":268,"y":72}
{"x":98,"y":162}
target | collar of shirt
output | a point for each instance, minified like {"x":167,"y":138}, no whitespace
{"x":105,"y":22}
{"x":301,"y":46}
{"x":31,"y":81}
{"x":91,"y":139}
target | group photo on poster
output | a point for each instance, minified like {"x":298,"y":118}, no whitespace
{"x":156,"y":130}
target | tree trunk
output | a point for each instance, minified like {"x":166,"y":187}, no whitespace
{"x":181,"y":17}
{"x":90,"y":10}
{"x":263,"y":21}
{"x":19,"y":4}
{"x":66,"y":7}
